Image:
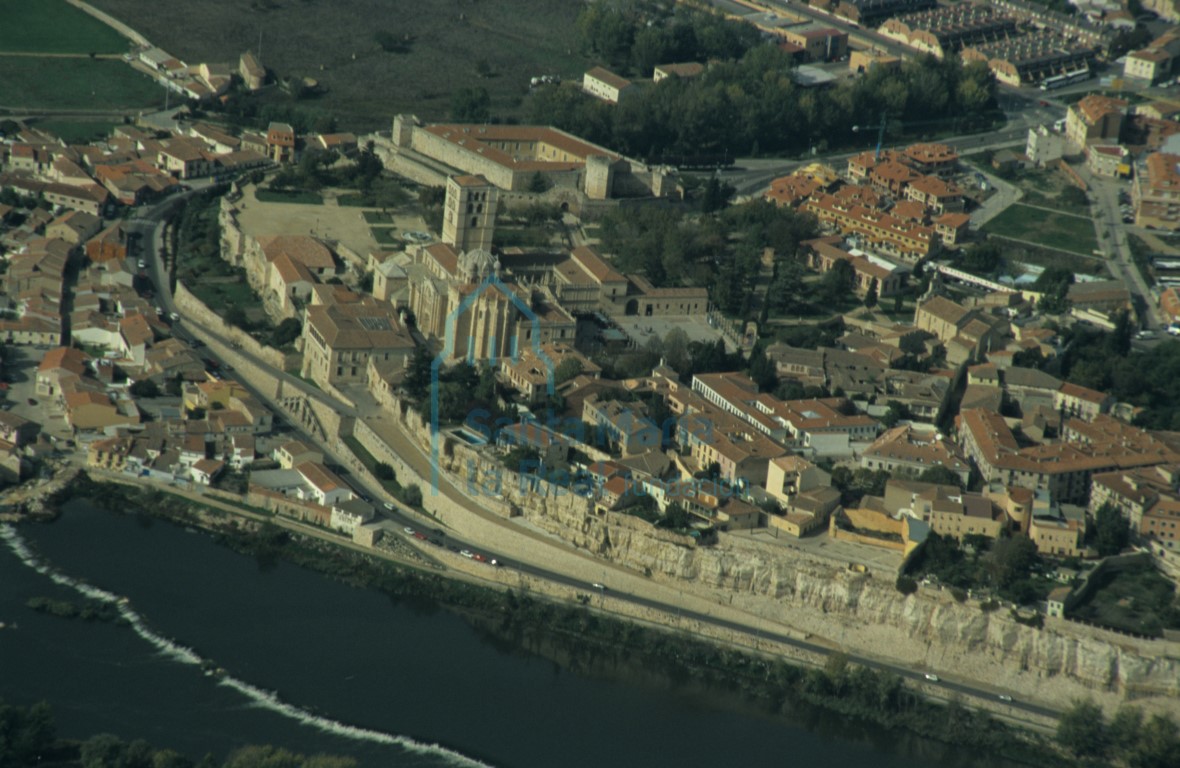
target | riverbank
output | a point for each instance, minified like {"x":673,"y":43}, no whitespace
{"x":584,"y":639}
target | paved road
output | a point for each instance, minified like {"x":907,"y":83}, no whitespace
{"x":1112,"y":235}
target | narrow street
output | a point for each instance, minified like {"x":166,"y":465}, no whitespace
{"x":1112,"y":238}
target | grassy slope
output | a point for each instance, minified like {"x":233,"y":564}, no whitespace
{"x":53,"y":26}
{"x":518,"y":38}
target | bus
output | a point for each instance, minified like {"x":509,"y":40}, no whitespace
{"x":1068,"y":78}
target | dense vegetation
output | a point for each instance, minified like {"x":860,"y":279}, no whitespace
{"x":747,"y":102}
{"x":28,"y":736}
{"x":1008,"y":566}
{"x":1106,"y":361}
{"x":1128,"y":738}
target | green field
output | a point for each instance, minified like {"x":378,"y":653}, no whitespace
{"x":52,"y":83}
{"x":336,"y":42}
{"x":77,"y":131}
{"x":1060,"y":231}
{"x":377,"y":217}
{"x":54,"y":26}
{"x":386,"y":235}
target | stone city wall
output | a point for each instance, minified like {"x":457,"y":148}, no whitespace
{"x":189,"y":304}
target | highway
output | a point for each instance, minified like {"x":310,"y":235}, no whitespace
{"x":150,"y":223}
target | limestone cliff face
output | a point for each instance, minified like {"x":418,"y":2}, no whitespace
{"x":865,"y":612}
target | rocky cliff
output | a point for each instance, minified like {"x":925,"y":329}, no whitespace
{"x":866,"y":614}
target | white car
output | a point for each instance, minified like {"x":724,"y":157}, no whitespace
{"x":932,"y":677}
{"x":467,"y":553}
{"x":409,"y":531}
{"x":388,"y":505}
{"x":1006,"y":698}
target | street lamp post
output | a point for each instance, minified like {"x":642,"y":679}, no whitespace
{"x":880,"y":134}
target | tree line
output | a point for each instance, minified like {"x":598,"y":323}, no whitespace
{"x":746,"y":102}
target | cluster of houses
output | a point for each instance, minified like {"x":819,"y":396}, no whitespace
{"x":900,"y":204}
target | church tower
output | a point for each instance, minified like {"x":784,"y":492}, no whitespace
{"x":469,"y":213}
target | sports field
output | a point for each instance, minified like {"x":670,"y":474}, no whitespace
{"x":54,"y":26}
{"x":69,"y":83}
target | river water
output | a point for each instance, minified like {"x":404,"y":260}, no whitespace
{"x":316,"y":666}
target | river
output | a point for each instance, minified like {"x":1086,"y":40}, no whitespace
{"x":317,"y":666}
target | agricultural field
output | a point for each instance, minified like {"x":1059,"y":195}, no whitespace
{"x":74,"y":83}
{"x":1060,"y":231}
{"x":374,"y":58}
{"x":54,"y":26}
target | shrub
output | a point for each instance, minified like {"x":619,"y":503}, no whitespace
{"x":412,"y":495}
{"x":960,"y":595}
{"x":906,"y":585}
{"x":384,"y":472}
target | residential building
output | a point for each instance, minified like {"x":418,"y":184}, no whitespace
{"x":323,"y":486}
{"x":340,"y":339}
{"x":948,"y":510}
{"x":911,"y":449}
{"x":348,"y":516}
{"x":1137,"y":491}
{"x":1106,"y":159}
{"x":1156,"y":62}
{"x":822,"y":254}
{"x":252,"y":72}
{"x":945,"y":30}
{"x":966,"y":333}
{"x":1093,"y":118}
{"x":1155,"y":192}
{"x":934,"y":193}
{"x":295,"y":452}
{"x":622,"y":425}
{"x":281,"y":143}
{"x":533,"y":371}
{"x":684,"y":70}
{"x":874,"y":230}
{"x":17,"y":430}
{"x":789,"y":476}
{"x":108,"y":245}
{"x":1028,"y":58}
{"x":819,"y":42}
{"x":1081,"y":402}
{"x":871,"y":13}
{"x":57,"y":366}
{"x":1044,"y":146}
{"x":1062,"y":469}
{"x":603,"y":84}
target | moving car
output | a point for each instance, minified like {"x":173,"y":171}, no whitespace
{"x":932,"y":677}
{"x":408,"y":530}
{"x":468,"y":553}
{"x":1005,"y":697}
{"x":599,"y":587}
{"x":388,"y":505}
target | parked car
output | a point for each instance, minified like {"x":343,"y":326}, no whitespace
{"x":31,"y":401}
{"x":468,"y":554}
{"x":388,"y":505}
{"x":1005,"y":697}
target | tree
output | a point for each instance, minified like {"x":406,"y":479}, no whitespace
{"x":871,"y":294}
{"x":538,"y":184}
{"x":1112,"y":531}
{"x":471,"y":105}
{"x":286,"y":332}
{"x":1010,"y":559}
{"x":1124,"y":730}
{"x":676,"y":349}
{"x":837,"y":282}
{"x":940,"y":475}
{"x":566,"y":370}
{"x":906,"y":585}
{"x":420,"y":372}
{"x":236,"y":316}
{"x":1082,"y":729}
{"x":982,"y":258}
{"x":412,"y":495}
{"x":144,"y":388}
{"x":384,"y":472}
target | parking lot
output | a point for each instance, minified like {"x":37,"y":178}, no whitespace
{"x":20,"y":397}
